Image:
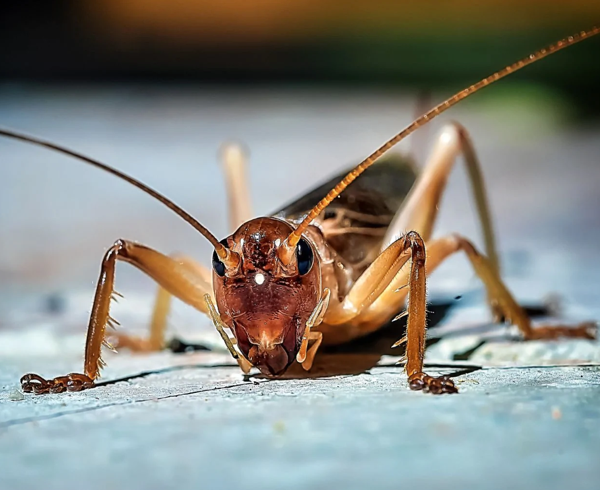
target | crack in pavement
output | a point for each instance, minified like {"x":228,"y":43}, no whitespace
{"x":466,"y":370}
{"x":39,"y":418}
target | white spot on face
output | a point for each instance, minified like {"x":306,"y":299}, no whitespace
{"x":278,"y":242}
{"x":259,"y":278}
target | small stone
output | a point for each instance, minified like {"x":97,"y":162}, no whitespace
{"x":16,"y":396}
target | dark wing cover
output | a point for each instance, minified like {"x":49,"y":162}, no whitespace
{"x":379,"y":191}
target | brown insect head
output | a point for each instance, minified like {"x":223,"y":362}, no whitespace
{"x":265,"y":300}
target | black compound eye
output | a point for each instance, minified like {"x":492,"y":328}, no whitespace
{"x":305,"y":257}
{"x":219,"y":266}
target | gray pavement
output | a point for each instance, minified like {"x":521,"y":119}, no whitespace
{"x":207,"y":428}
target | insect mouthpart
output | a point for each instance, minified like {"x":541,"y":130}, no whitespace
{"x":269,"y":341}
{"x":270,"y":360}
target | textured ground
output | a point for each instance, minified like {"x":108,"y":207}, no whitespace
{"x":206,"y":428}
{"x":529,"y":419}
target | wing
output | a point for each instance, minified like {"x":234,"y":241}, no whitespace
{"x":379,"y":191}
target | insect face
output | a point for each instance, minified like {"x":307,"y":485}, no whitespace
{"x":263,"y":300}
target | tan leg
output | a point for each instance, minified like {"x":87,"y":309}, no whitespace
{"x":391,"y":299}
{"x":162,"y":306}
{"x":244,"y":363}
{"x":377,"y":279}
{"x":501,"y":296}
{"x":317,"y":337}
{"x":420,"y":209}
{"x":372,"y":281}
{"x":170,"y":274}
{"x":316,"y":318}
{"x":234,"y":166}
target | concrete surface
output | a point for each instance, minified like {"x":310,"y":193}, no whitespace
{"x":529,"y":419}
{"x":206,"y":428}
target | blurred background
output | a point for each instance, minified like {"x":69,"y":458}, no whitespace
{"x":400,"y":44}
{"x":310,"y":87}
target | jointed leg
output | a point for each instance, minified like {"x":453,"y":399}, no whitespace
{"x":162,"y":305}
{"x":391,"y":299}
{"x":234,"y":165}
{"x":416,"y":327}
{"x":377,"y":280}
{"x":440,"y":249}
{"x":170,"y":274}
{"x":419,"y":211}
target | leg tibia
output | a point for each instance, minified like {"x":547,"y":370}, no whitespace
{"x":234,"y":166}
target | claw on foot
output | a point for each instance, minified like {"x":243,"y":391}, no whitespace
{"x":34,"y":383}
{"x":429,"y":384}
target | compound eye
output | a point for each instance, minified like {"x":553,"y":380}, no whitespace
{"x":305,"y":257}
{"x":219,"y":266}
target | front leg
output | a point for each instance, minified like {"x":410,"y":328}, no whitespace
{"x":416,"y":326}
{"x":379,"y":279}
{"x":172,"y":275}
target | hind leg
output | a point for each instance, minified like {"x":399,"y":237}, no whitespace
{"x":233,"y":160}
{"x":419,"y":212}
{"x":420,"y":209}
{"x":390,"y":300}
{"x":410,"y":280}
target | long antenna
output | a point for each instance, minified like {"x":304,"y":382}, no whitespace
{"x":223,"y":252}
{"x":295,"y":236}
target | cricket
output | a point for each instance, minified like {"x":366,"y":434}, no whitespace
{"x":337,"y":264}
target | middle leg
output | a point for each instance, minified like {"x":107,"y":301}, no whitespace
{"x":162,"y":305}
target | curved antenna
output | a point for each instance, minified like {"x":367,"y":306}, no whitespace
{"x":223,"y":252}
{"x":292,"y":240}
